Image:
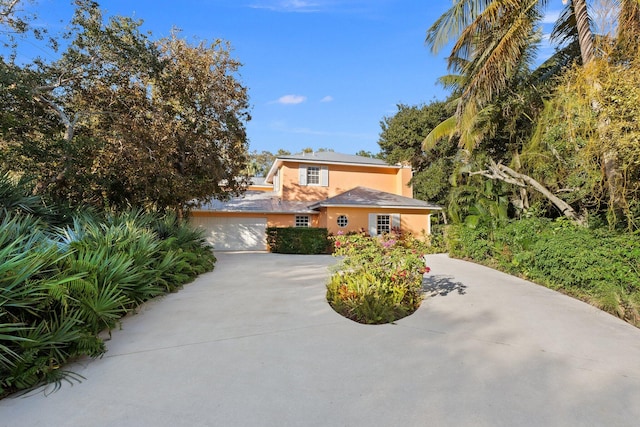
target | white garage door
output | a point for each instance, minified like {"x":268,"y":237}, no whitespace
{"x":234,"y":234}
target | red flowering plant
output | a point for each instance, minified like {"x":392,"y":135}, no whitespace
{"x":379,"y":279}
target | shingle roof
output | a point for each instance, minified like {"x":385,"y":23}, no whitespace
{"x":328,"y":157}
{"x":333,"y":157}
{"x":258,"y":180}
{"x":366,"y":197}
{"x":269,"y":202}
{"x":259,"y":202}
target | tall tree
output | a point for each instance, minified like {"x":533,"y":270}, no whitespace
{"x":401,"y":139}
{"x":493,"y":40}
{"x":158,"y":124}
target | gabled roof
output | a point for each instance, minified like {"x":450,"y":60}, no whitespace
{"x":333,"y":157}
{"x":258,"y":202}
{"x":269,"y":202}
{"x":327,"y":158}
{"x":367,"y":197}
{"x":258,"y":181}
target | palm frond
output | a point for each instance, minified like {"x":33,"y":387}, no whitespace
{"x":446,"y":129}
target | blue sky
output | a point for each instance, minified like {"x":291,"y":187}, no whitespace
{"x":320,"y":73}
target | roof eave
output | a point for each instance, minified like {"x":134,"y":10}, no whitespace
{"x":347,"y":205}
{"x":262,"y":212}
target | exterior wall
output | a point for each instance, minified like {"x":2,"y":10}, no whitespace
{"x":273,"y":219}
{"x":343,"y":178}
{"x":402,"y":182}
{"x":413,"y":221}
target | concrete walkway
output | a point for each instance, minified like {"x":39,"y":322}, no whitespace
{"x":254,"y":343}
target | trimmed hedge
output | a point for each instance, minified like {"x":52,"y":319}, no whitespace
{"x":298,"y":240}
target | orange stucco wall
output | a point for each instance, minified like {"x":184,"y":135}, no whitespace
{"x":415,"y":222}
{"x":273,"y":219}
{"x":343,"y":178}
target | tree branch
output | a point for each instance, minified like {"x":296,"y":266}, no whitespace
{"x":8,"y":10}
{"x":69,"y":124}
{"x":506,"y":174}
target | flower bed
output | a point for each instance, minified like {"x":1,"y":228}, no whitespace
{"x":379,"y":280}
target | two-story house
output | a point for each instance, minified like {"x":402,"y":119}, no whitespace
{"x":326,"y":189}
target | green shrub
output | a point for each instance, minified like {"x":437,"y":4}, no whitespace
{"x":365,"y":298}
{"x":437,"y":242}
{"x":468,"y":242}
{"x":60,"y":288}
{"x":298,"y":240}
{"x":599,"y":266}
{"x":379,"y":280}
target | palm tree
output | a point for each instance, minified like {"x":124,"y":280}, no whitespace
{"x":493,"y":41}
{"x":494,"y":37}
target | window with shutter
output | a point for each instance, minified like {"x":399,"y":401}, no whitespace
{"x":383,"y":224}
{"x":313,"y":175}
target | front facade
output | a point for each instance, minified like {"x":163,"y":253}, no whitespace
{"x":340,"y":192}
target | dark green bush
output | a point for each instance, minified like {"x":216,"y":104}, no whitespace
{"x":599,"y":266}
{"x":468,"y":242}
{"x":298,"y":240}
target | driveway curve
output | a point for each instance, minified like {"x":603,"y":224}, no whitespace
{"x":254,"y":343}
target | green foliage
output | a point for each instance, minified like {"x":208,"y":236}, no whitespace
{"x":61,"y":287}
{"x":401,"y":141}
{"x":379,"y":280}
{"x":123,"y":120}
{"x":17,"y":195}
{"x":298,"y":240}
{"x":598,"y":266}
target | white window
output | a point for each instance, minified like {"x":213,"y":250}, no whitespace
{"x":302,"y":220}
{"x":343,"y":221}
{"x":313,"y":175}
{"x":383,"y":224}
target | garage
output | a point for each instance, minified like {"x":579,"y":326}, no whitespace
{"x":233,"y":234}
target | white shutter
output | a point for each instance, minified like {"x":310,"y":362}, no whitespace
{"x":395,"y":221}
{"x":303,"y":174}
{"x":324,"y":176}
{"x":373,"y":224}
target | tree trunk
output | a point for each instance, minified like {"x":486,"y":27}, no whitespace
{"x":506,"y":174}
{"x":585,"y":35}
{"x":609,"y":157}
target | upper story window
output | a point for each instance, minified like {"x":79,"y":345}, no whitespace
{"x":313,"y":175}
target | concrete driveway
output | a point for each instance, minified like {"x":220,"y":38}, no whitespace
{"x":254,"y":343}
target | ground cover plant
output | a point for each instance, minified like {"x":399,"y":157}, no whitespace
{"x":599,"y":266}
{"x":379,"y":280}
{"x":63,"y":287}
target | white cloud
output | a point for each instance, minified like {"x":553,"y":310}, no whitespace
{"x":291,"y":99}
{"x":327,"y":98}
